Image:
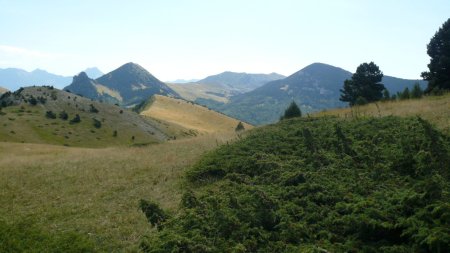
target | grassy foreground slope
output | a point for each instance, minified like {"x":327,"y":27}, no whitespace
{"x":188,"y":116}
{"x":318,"y":185}
{"x":435,"y":109}
{"x":87,"y":196}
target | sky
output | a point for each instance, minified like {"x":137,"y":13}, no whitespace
{"x":185,"y":39}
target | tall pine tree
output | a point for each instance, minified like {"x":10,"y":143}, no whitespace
{"x":364,"y":85}
{"x":439,"y":50}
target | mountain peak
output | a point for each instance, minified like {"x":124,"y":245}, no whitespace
{"x":93,"y":72}
{"x":81,"y":77}
{"x":132,"y":66}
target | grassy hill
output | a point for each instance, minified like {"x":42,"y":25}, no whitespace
{"x":435,"y":109}
{"x":316,"y":185}
{"x":33,"y":115}
{"x":188,"y":117}
{"x":65,"y":199}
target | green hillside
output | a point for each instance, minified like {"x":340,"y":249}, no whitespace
{"x":48,"y":115}
{"x":316,"y":185}
{"x":314,"y":88}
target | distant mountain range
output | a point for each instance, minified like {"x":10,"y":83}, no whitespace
{"x":183,"y":81}
{"x":14,"y":78}
{"x":222,"y":86}
{"x":240,"y":82}
{"x":315,"y":87}
{"x":128,"y":85}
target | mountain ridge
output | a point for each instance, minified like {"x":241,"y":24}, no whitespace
{"x":130,"y":83}
{"x":315,"y":87}
{"x":14,"y":78}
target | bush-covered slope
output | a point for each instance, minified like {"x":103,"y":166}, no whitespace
{"x":317,"y":185}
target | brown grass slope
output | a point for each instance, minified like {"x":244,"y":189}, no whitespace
{"x":24,"y":122}
{"x":435,"y":109}
{"x":189,"y":116}
{"x":94,"y":192}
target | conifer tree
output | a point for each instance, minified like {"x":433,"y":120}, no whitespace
{"x":364,"y":85}
{"x":292,"y":111}
{"x":438,"y":49}
{"x":239,"y":127}
{"x":416,"y":92}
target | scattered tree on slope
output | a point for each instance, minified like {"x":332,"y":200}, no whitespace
{"x":364,"y":86}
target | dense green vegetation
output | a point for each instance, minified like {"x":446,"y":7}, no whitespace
{"x":316,"y":185}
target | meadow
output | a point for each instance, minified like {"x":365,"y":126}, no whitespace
{"x":94,"y":192}
{"x":435,"y":109}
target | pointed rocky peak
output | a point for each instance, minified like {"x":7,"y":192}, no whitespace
{"x":82,"y":77}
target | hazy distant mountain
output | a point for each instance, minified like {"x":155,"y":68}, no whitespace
{"x":93,"y":72}
{"x":222,"y":86}
{"x":314,"y":88}
{"x":13,"y":78}
{"x":128,"y":85}
{"x":240,"y":82}
{"x":183,"y":81}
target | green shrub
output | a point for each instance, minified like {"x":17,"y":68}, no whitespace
{"x":317,"y":185}
{"x":96,"y":123}
{"x":76,"y":119}
{"x":50,"y":115}
{"x":63,"y":115}
{"x":93,"y":109}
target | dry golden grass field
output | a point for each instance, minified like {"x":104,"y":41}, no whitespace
{"x":95,"y":191}
{"x":435,"y":109}
{"x":189,"y":116}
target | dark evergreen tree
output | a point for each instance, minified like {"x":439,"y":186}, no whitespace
{"x":292,"y":111}
{"x":416,"y":92}
{"x":386,"y":94}
{"x":365,"y":83}
{"x":439,"y":50}
{"x":405,"y":94}
{"x":33,"y":101}
{"x":50,"y":115}
{"x":240,"y":127}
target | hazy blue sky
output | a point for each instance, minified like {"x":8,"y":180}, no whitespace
{"x":193,"y":39}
